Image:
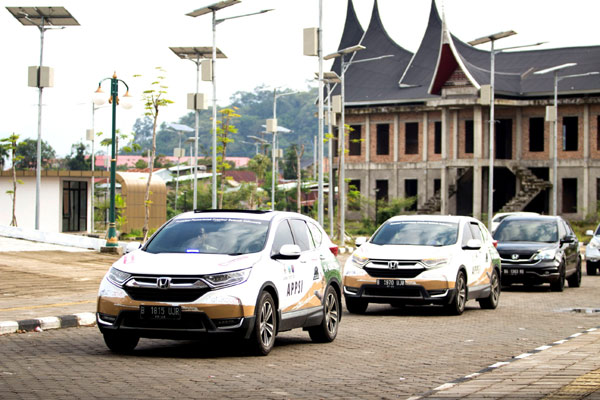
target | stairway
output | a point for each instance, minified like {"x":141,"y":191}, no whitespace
{"x":433,"y":204}
{"x":531,"y":186}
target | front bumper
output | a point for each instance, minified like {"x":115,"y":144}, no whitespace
{"x":592,"y":254}
{"x":541,"y":272}
{"x":192,"y":325}
{"x":408,"y":294}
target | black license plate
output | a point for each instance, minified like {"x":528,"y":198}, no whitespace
{"x":390,"y":283}
{"x":516,"y":272}
{"x":160,"y":312}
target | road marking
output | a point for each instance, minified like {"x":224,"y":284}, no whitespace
{"x":48,"y":305}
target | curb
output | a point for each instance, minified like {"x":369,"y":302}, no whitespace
{"x":46,"y":323}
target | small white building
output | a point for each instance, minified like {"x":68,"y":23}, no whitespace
{"x":65,"y":200}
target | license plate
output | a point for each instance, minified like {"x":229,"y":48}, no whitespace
{"x":160,"y":312}
{"x":516,"y":272}
{"x":390,"y":283}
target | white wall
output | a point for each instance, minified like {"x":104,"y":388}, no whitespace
{"x":50,"y":202}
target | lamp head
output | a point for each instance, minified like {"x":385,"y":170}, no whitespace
{"x":99,"y":98}
{"x":127,"y":101}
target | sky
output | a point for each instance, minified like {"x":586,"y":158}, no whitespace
{"x":132,"y":37}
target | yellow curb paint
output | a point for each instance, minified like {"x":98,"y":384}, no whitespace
{"x":579,"y":388}
{"x":48,"y":305}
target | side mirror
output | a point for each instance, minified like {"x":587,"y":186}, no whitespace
{"x":567,"y":239}
{"x":360,"y":241}
{"x":473,"y":244}
{"x":589,"y":232}
{"x":288,"y":252}
{"x":133,"y":246}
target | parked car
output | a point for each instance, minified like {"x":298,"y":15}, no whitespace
{"x":538,"y":249}
{"x":246,"y":273}
{"x":592,"y":252}
{"x":424,"y":259}
{"x":500,"y":216}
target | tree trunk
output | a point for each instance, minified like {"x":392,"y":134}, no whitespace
{"x":225,"y":129}
{"x":13,"y":222}
{"x":151,"y":169}
{"x":299,"y":175}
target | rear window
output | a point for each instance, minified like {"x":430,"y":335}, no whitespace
{"x":527,"y":230}
{"x":417,"y":233}
{"x":210,"y":235}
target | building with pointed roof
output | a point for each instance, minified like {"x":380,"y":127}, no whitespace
{"x":420,"y":123}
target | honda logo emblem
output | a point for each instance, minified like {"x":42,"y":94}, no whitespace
{"x":163,"y":283}
{"x":393,"y":264}
{"x":515,"y":256}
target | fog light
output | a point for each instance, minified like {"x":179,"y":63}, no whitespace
{"x":349,"y":289}
{"x":107,"y":318}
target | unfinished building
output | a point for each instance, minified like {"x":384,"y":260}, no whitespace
{"x":420,"y":123}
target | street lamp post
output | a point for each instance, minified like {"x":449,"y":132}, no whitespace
{"x":344,"y":66}
{"x":212,"y":9}
{"x":555,"y":121}
{"x":44,"y":18}
{"x":179,"y":128}
{"x":99,"y":99}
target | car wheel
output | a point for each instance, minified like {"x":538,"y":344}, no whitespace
{"x":559,"y":285}
{"x":575,"y":279}
{"x":457,"y":305}
{"x":120,"y":342}
{"x":491,"y":302}
{"x":356,"y":306}
{"x":327,"y":330}
{"x":590,"y":267}
{"x":265,"y":325}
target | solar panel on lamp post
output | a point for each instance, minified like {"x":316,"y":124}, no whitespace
{"x":212,"y":9}
{"x":44,"y":18}
{"x":555,"y":121}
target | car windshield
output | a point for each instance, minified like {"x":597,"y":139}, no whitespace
{"x":527,"y":230}
{"x":417,"y":233}
{"x":232,"y":236}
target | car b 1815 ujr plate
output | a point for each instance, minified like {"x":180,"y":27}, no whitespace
{"x":160,"y":312}
{"x":390,"y":283}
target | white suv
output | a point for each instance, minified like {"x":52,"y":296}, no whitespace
{"x":252,"y":273}
{"x":424,"y":259}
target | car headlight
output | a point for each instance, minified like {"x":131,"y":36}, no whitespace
{"x":358,"y":260}
{"x":432,"y":263}
{"x":227,"y":278}
{"x":545,"y":255}
{"x":594,"y":243}
{"x":117,"y":277}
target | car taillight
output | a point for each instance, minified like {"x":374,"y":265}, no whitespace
{"x":334,"y":250}
{"x":495,"y":243}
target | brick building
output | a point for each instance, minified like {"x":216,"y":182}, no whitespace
{"x":421,"y":123}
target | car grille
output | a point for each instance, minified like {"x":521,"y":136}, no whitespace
{"x":181,"y":290}
{"x":507,"y":256}
{"x":404,"y":269}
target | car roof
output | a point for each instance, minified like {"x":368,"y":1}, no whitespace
{"x":438,"y":218}
{"x":260,"y":215}
{"x":532,"y":218}
{"x":508,"y":214}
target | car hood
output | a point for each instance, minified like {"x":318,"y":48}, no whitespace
{"x":524,"y":246}
{"x":403,"y":252}
{"x":141,"y":262}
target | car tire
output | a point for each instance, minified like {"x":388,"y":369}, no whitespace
{"x":356,"y":306}
{"x":591,"y":268}
{"x":559,"y":285}
{"x":575,"y":279}
{"x":491,"y":302}
{"x":265,"y":325}
{"x":457,"y":305}
{"x":327,"y":330}
{"x":119,"y":342}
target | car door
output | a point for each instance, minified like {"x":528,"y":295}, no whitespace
{"x":285,"y":274}
{"x":309,"y":274}
{"x":482,"y":271}
{"x":571,"y":248}
{"x":469,"y":257}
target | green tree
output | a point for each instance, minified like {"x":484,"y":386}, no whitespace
{"x":141,"y":164}
{"x":154,"y":100}
{"x":225,"y":129}
{"x":27,"y":153}
{"x":9,"y":145}
{"x":77,"y":161}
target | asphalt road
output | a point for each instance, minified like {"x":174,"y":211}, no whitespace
{"x":387,"y":353}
